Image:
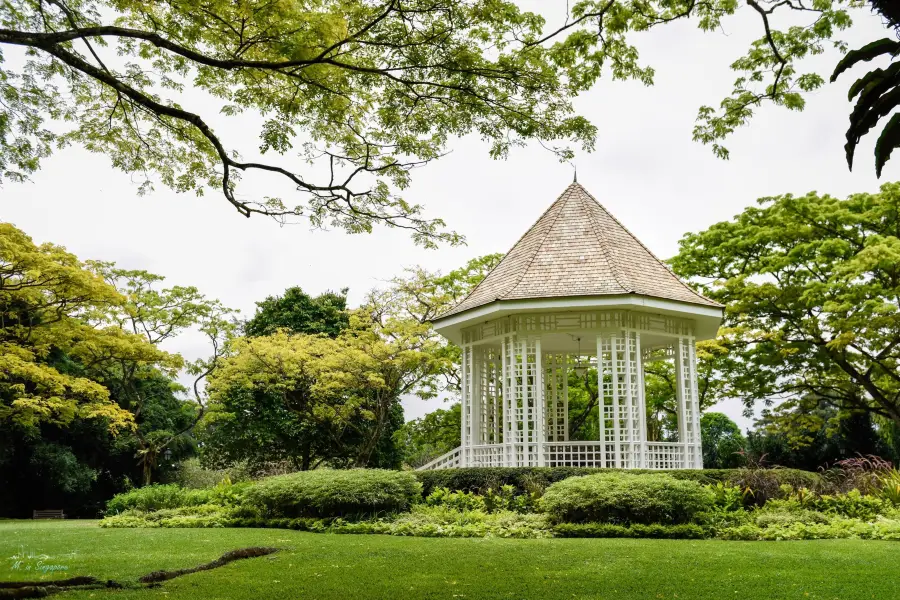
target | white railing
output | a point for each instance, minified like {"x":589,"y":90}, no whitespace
{"x":579,"y":454}
{"x":656,"y":455}
{"x":491,"y":455}
{"x":665,"y":455}
{"x":450,"y":460}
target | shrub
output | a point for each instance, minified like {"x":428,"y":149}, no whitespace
{"x":481,"y":479}
{"x":786,"y":518}
{"x":857,"y":473}
{"x":852,"y":504}
{"x":156,"y":497}
{"x":193,"y":475}
{"x":625,"y":498}
{"x":460,"y":501}
{"x":762,"y":485}
{"x":332,"y":493}
{"x":888,"y":487}
{"x":684,"y":531}
{"x":535,"y":479}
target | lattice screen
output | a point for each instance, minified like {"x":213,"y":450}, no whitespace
{"x":556,"y":396}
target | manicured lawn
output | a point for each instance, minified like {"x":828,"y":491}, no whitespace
{"x":345,"y":567}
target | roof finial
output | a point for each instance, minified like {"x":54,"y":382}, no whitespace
{"x":575,"y":174}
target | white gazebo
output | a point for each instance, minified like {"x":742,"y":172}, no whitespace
{"x":577,"y":290}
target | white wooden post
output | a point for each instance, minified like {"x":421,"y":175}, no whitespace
{"x":565,"y":396}
{"x":629,"y":403}
{"x":695,"y":401}
{"x":681,"y":402}
{"x":642,"y":403}
{"x":540,"y":405}
{"x":474,"y":400}
{"x":617,"y":420}
{"x":601,"y":399}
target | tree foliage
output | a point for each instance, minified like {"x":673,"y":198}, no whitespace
{"x":428,"y":437}
{"x":722,"y":442}
{"x":353,"y":94}
{"x":301,"y":313}
{"x":812,"y":290}
{"x":420,"y":296}
{"x":46,"y":299}
{"x":88,"y":399}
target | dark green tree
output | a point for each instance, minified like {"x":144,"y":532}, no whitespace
{"x":722,"y":442}
{"x":430,"y":436}
{"x":299,"y":312}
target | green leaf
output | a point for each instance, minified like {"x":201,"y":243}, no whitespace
{"x":887,"y":141}
{"x":865,"y":54}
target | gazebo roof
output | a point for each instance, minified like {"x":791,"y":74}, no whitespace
{"x":578,"y":249}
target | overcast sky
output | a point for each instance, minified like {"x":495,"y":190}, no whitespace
{"x":645,"y":170}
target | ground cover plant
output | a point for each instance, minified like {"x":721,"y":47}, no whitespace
{"x":352,"y":566}
{"x":736,"y":504}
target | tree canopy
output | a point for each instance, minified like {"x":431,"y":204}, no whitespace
{"x":300,"y":313}
{"x":811,"y":286}
{"x":353,"y":94}
{"x":47,"y":297}
{"x":88,"y":398}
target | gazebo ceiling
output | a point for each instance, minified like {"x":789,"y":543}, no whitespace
{"x":577,"y":255}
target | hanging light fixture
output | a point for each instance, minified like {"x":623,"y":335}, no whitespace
{"x":581,"y":365}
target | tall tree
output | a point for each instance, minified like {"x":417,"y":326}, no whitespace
{"x":301,"y":313}
{"x":158,"y":315}
{"x":286,"y":397}
{"x":46,"y":296}
{"x":812,"y":290}
{"x":364,"y":89}
{"x":84,"y":385}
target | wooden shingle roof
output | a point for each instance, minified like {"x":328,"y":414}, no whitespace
{"x":577,"y":248}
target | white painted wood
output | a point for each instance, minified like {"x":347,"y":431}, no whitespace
{"x":515,"y":401}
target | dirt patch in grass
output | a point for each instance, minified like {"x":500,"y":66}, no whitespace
{"x":42,"y":589}
{"x":253,"y":552}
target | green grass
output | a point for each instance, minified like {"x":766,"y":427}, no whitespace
{"x":325,"y":567}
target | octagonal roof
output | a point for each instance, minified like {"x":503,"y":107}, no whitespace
{"x":577,"y":248}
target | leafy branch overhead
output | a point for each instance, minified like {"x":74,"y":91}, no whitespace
{"x":353,"y":94}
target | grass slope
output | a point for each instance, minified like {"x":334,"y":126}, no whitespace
{"x":327,"y":567}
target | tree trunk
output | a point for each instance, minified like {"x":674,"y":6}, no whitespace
{"x":306,"y":457}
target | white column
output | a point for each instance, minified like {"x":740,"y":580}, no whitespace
{"x":464,"y":407}
{"x":475,"y":403}
{"x":508,"y":395}
{"x":695,"y":404}
{"x":601,"y":396}
{"x":497,"y":399}
{"x":540,"y":405}
{"x":642,"y":403}
{"x":617,"y":416}
{"x":552,"y":402}
{"x":629,"y":462}
{"x":681,"y":402}
{"x":565,"y":396}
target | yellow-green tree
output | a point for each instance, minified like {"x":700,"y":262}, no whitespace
{"x":46,"y":298}
{"x":311,"y":399}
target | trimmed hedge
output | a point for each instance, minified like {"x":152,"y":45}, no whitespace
{"x":621,"y":498}
{"x":328,"y":493}
{"x":764,"y":482}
